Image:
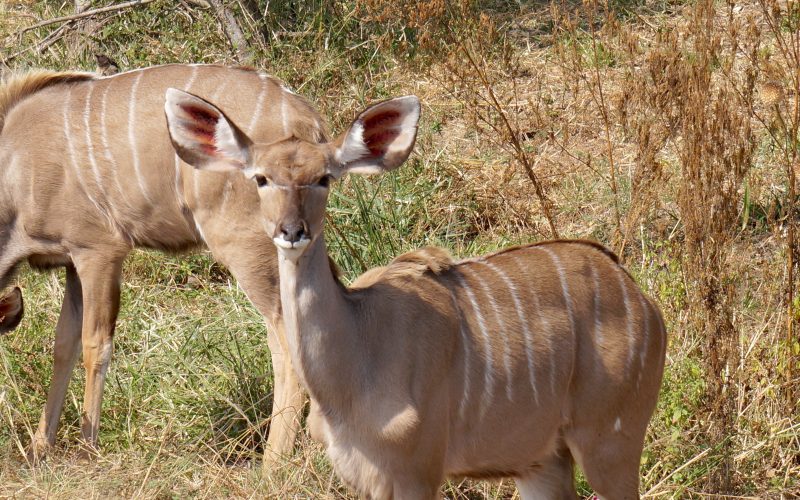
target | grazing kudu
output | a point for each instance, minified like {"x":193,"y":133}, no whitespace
{"x":511,"y":364}
{"x":87,"y":173}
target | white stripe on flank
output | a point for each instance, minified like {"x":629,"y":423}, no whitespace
{"x":109,"y":156}
{"x":90,"y":146}
{"x":525,"y":329}
{"x":226,"y":192}
{"x":218,"y":92}
{"x":71,"y":152}
{"x":200,"y":231}
{"x":489,"y":372}
{"x":564,"y":291}
{"x":465,"y":341}
{"x":564,"y":287}
{"x":259,"y":104}
{"x":284,"y":114}
{"x":196,"y":184}
{"x":545,"y":324}
{"x":503,"y":333}
{"x":598,"y":323}
{"x":132,"y":138}
{"x":626,"y":302}
{"x":179,"y":183}
{"x":645,"y":334}
{"x":192,"y":77}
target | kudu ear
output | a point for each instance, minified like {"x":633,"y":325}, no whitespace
{"x":203,"y":136}
{"x":380,"y":139}
{"x":11,"y":310}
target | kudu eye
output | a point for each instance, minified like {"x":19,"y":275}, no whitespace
{"x":261,"y":180}
{"x":324,"y":181}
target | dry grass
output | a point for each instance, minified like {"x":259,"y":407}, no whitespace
{"x":665,"y":130}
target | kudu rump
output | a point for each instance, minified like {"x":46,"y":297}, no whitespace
{"x":511,"y":364}
{"x":87,"y":173}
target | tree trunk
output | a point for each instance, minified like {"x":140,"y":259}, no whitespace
{"x":233,"y":31}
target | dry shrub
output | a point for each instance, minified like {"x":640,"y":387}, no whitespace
{"x":697,"y":93}
{"x":482,"y":72}
{"x":780,"y":115}
{"x":407,"y":24}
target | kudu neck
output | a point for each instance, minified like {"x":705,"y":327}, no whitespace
{"x":320,"y":323}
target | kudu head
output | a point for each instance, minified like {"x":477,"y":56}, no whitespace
{"x":292,"y":175}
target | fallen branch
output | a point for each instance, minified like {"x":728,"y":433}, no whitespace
{"x":40,"y":47}
{"x":87,"y":13}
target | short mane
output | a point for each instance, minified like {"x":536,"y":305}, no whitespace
{"x":17,"y":87}
{"x":416,"y":263}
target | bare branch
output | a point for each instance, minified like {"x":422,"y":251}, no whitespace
{"x":87,"y":13}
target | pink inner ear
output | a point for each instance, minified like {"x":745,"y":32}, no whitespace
{"x":380,"y":130}
{"x":202,"y":127}
{"x":199,"y":114}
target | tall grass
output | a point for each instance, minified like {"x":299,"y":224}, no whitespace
{"x":667,"y":130}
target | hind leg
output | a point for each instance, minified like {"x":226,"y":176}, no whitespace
{"x":609,"y":460}
{"x":552,"y":479}
{"x":68,"y":340}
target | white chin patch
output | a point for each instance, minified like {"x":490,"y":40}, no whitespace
{"x":288,"y":245}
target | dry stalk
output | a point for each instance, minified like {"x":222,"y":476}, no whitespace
{"x":477,"y":70}
{"x":511,"y":133}
{"x":782,"y":22}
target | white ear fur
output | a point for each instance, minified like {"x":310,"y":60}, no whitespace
{"x":381,"y":138}
{"x":202,"y":135}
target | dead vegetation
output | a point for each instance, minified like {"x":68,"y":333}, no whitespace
{"x":666,"y":130}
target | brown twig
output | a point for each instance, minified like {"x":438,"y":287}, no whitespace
{"x":40,"y":47}
{"x":87,"y":13}
{"x":521,"y":156}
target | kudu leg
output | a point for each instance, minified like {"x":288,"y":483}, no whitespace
{"x":100,"y":279}
{"x":288,"y":402}
{"x":610,"y":460}
{"x":252,"y":263}
{"x":552,"y":479}
{"x":67,"y":342}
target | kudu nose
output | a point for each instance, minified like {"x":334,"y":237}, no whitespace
{"x":293,"y":231}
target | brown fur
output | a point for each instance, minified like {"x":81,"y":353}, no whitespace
{"x":412,"y":264}
{"x":87,"y":173}
{"x":517,"y":363}
{"x":15,"y":88}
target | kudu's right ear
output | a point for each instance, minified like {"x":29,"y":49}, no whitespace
{"x":203,"y":136}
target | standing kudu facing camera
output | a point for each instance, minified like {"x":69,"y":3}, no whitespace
{"x":511,"y":364}
{"x":87,"y":173}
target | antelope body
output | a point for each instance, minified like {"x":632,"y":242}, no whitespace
{"x":512,"y":364}
{"x":87,"y":173}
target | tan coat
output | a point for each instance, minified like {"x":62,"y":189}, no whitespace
{"x":87,"y":173}
{"x":513,"y":364}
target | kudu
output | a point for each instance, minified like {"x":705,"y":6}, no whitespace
{"x":512,"y":364}
{"x":87,"y":173}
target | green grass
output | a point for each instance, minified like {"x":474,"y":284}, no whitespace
{"x":189,"y":390}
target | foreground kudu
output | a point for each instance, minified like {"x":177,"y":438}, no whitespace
{"x":512,"y":364}
{"x":87,"y":173}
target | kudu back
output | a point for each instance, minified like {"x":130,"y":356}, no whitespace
{"x":87,"y":173}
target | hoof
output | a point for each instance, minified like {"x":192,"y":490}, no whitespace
{"x":37,"y":452}
{"x":87,"y":453}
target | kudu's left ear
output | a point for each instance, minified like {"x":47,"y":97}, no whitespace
{"x":380,"y":139}
{"x":203,"y":136}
